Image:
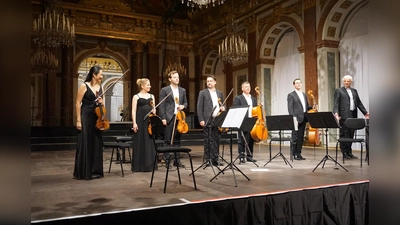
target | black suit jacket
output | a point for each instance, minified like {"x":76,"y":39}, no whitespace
{"x":342,"y":103}
{"x":241,"y":100}
{"x":295,"y":107}
{"x":205,"y":104}
{"x":167,"y":107}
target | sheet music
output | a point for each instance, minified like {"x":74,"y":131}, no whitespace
{"x":234,"y":118}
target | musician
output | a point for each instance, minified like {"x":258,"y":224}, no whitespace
{"x":297,"y":106}
{"x":207,"y":100}
{"x":346,"y":102}
{"x":245,"y":99}
{"x":168,"y":110}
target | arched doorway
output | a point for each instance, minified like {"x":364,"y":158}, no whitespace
{"x":112,"y":84}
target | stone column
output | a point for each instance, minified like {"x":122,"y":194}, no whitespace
{"x":153,"y":68}
{"x":252,"y":50}
{"x":67,"y":101}
{"x":310,"y":48}
{"x":136,"y":64}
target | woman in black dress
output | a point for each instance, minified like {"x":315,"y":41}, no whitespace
{"x":89,"y":151}
{"x":143,"y":146}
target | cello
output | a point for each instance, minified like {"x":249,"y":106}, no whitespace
{"x":259,"y":131}
{"x":313,"y":133}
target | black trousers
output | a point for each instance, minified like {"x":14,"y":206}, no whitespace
{"x":242,"y":144}
{"x":298,"y":138}
{"x":345,"y":132}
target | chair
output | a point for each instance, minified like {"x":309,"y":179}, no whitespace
{"x":355,"y":124}
{"x":157,"y":128}
{"x":116,"y":146}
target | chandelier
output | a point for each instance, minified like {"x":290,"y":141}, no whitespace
{"x":200,"y":3}
{"x":53,"y":28}
{"x":233,"y":48}
{"x":177,"y":67}
{"x":44,"y":59}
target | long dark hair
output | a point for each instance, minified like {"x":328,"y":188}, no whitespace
{"x":94,"y":70}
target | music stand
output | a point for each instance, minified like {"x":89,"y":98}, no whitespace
{"x":247,"y":126}
{"x":324,"y":120}
{"x":210,"y":124}
{"x":233,"y":120}
{"x":280,"y":122}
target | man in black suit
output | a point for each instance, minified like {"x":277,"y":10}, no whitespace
{"x":207,"y":100}
{"x":168,"y":109}
{"x":297,"y":107}
{"x":345,"y":106}
{"x":245,"y":99}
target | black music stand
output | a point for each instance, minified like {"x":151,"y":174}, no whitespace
{"x":247,"y":126}
{"x":233,"y":120}
{"x":210,"y":124}
{"x":281,"y":122}
{"x":324,"y":120}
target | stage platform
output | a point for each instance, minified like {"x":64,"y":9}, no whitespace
{"x":57,"y":198}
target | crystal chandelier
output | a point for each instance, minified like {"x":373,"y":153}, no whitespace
{"x":53,"y":28}
{"x":44,"y":59}
{"x":233,"y":48}
{"x":201,"y":3}
{"x":176,"y":67}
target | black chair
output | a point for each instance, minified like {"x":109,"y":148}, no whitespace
{"x":354,"y":124}
{"x":117,"y":146}
{"x":157,"y":128}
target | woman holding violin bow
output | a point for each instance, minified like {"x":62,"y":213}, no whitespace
{"x":142,"y":104}
{"x":89,"y":152}
{"x":170,"y":110}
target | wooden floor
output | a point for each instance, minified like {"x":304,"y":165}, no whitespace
{"x":55,"y":194}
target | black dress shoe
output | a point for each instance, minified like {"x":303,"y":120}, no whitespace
{"x":95,"y":176}
{"x":242,"y":160}
{"x":250,"y":159}
{"x":296,"y":157}
{"x":301,"y":157}
{"x":216,"y":163}
{"x":353,"y":156}
{"x":180,"y":165}
{"x":346,"y":156}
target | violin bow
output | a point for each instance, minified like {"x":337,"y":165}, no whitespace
{"x":223,"y":104}
{"x":145,"y":117}
{"x":112,"y":84}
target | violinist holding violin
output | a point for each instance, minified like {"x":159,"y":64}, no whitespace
{"x":142,"y":104}
{"x":168,"y":110}
{"x":297,"y":107}
{"x":207,"y":100}
{"x":89,"y":151}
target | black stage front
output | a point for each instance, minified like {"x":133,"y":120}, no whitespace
{"x":275,"y":194}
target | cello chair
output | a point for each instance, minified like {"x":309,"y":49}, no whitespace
{"x":157,"y":128}
{"x":355,"y":124}
{"x":117,"y":146}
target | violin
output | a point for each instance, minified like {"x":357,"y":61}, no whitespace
{"x":259,"y":131}
{"x":150,"y":115}
{"x":102,"y":122}
{"x":182,"y":126}
{"x":313,"y":133}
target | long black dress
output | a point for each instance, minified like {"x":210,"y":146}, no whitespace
{"x":143,"y":146}
{"x":89,"y":151}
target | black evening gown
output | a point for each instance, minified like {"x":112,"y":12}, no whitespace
{"x":89,"y":151}
{"x":143,"y":145}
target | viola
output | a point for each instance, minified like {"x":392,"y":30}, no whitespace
{"x":182,"y":126}
{"x":259,"y":131}
{"x":313,"y":133}
{"x":102,"y":122}
{"x":223,"y":130}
